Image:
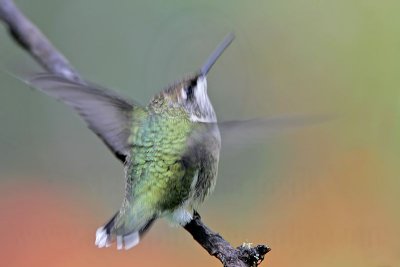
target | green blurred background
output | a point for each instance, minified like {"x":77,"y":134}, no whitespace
{"x":326,"y":195}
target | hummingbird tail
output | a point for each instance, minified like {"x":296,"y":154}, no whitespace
{"x":106,"y":235}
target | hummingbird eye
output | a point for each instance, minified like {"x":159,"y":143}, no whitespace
{"x":189,"y":92}
{"x":190,"y":89}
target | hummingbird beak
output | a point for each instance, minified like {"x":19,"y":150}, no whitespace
{"x":216,"y":54}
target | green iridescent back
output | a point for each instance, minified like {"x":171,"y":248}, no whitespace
{"x":157,"y":177}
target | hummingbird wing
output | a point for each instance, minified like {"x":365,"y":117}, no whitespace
{"x":106,"y":113}
{"x":255,"y":130}
{"x":241,"y":132}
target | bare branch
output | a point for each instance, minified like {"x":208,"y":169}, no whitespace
{"x":242,"y":256}
{"x":29,"y":37}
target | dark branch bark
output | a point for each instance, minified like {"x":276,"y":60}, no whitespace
{"x":242,"y":256}
{"x":29,"y":37}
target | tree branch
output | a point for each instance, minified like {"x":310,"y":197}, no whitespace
{"x":242,"y":256}
{"x":30,"y":38}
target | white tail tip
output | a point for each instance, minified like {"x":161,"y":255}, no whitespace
{"x":101,"y":238}
{"x":130,"y":240}
{"x":123,"y":242}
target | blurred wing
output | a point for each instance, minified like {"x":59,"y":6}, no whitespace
{"x":256,"y":130}
{"x":105,"y":112}
{"x":243,"y":132}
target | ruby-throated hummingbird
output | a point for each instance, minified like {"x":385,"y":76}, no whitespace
{"x":170,"y":148}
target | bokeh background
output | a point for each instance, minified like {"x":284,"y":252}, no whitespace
{"x":323,"y":195}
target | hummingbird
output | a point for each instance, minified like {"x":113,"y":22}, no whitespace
{"x":170,"y":148}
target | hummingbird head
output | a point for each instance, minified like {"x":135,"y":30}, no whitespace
{"x":191,"y":92}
